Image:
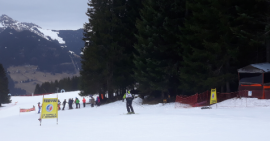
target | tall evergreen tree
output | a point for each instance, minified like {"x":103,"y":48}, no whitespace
{"x":208,"y":46}
{"x":252,"y":20}
{"x":217,"y":38}
{"x":157,"y":61}
{"x":109,"y":38}
{"x":97,"y":39}
{"x":4,"y":91}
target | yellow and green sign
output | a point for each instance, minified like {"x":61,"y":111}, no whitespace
{"x":213,"y":96}
{"x":49,"y":108}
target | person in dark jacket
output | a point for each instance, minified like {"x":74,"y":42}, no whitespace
{"x":92,"y":101}
{"x":69,"y":106}
{"x":64,"y":104}
{"x":129,"y":98}
{"x":72,"y":101}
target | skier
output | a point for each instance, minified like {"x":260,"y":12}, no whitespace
{"x":98,"y":101}
{"x":92,"y":101}
{"x":39,"y":107}
{"x":129,"y":98}
{"x":59,"y":103}
{"x":84,"y":102}
{"x":72,"y":101}
{"x":77,"y":101}
{"x":64,"y":104}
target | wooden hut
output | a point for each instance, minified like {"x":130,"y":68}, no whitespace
{"x":255,"y":78}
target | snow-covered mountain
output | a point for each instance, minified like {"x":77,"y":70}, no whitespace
{"x":52,"y":51}
{"x":7,"y":22}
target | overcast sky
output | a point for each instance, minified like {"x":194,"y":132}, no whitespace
{"x":48,"y":14}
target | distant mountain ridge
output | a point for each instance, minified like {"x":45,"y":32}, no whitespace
{"x":7,"y":22}
{"x":67,"y":38}
{"x":52,"y":51}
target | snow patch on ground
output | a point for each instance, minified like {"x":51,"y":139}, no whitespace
{"x":244,"y":102}
{"x":52,"y":34}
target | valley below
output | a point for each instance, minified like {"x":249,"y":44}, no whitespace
{"x":27,"y":77}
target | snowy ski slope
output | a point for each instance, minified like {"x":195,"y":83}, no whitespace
{"x":151,"y":123}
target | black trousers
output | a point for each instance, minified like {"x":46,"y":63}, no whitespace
{"x":129,"y":106}
{"x":64,"y":107}
{"x":83,"y":104}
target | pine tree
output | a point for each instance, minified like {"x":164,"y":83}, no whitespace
{"x":219,"y":37}
{"x":157,"y":59}
{"x":109,"y":38}
{"x":208,"y":46}
{"x":4,"y":91}
{"x":252,"y":20}
{"x":97,"y":39}
{"x":37,"y":89}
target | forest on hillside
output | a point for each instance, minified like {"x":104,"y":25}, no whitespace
{"x":66,"y":84}
{"x":172,"y":47}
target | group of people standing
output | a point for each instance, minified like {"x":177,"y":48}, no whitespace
{"x":76,"y":101}
{"x":128,"y":96}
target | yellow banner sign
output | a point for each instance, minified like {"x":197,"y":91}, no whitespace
{"x":213,"y":96}
{"x":49,"y":108}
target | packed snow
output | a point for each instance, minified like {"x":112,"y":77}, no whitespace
{"x":150,"y":123}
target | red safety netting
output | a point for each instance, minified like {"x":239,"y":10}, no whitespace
{"x":238,"y":99}
{"x":28,"y":110}
{"x":224,"y":96}
{"x":186,"y":101}
{"x":202,"y":99}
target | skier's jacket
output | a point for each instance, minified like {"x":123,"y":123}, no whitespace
{"x":128,"y":96}
{"x":84,"y":100}
{"x":77,"y":101}
{"x":98,"y":100}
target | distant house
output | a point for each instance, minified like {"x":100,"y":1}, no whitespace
{"x":255,"y":78}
